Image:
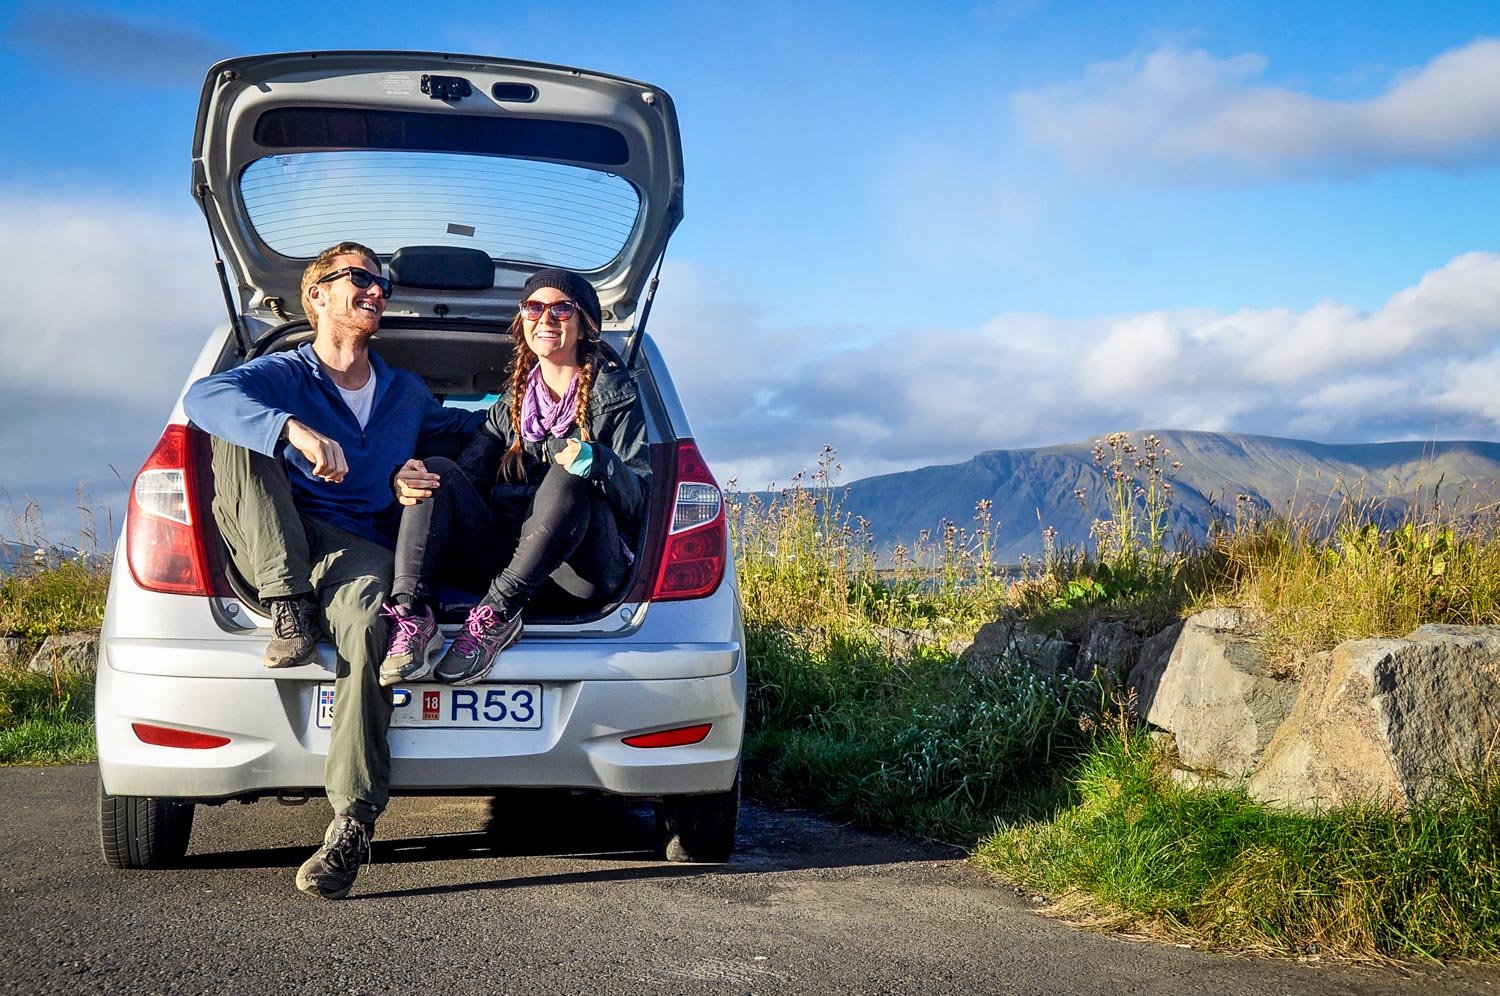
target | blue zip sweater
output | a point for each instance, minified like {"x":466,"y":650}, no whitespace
{"x":249,"y":405}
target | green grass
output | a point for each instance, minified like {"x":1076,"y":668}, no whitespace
{"x":1316,"y":586}
{"x":68,"y":597}
{"x":48,"y":718}
{"x":882,"y":732}
{"x":924,"y":742}
{"x":900,"y":734}
{"x":1216,"y":868}
{"x":46,"y":741}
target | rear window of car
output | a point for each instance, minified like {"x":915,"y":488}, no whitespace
{"x":514,"y":209}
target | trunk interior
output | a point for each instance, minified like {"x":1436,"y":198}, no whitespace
{"x":462,"y":364}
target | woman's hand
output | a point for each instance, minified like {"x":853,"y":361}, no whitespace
{"x":568,"y":454}
{"x":414,"y":484}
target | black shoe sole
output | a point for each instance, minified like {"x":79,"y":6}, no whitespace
{"x":299,"y":660}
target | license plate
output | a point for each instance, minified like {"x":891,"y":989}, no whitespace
{"x":483,"y":707}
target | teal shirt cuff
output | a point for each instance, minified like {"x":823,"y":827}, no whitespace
{"x":584,"y":462}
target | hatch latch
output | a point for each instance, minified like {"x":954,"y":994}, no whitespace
{"x":446,"y":87}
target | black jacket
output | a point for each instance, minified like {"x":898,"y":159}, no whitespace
{"x":617,"y":430}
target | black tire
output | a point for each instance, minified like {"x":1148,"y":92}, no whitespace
{"x":142,"y":832}
{"x":700,"y":828}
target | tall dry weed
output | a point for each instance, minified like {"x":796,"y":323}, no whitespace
{"x":1354,"y":570}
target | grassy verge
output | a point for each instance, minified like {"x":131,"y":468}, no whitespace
{"x":917,"y":741}
{"x":859,"y":710}
{"x":1213,"y":867}
{"x":63,"y":598}
{"x":48,"y":718}
{"x":857,"y":707}
{"x":1317,"y":584}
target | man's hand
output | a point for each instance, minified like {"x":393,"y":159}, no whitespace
{"x":414,"y":484}
{"x":325,"y":455}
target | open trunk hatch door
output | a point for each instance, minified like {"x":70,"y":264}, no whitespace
{"x":533,"y":165}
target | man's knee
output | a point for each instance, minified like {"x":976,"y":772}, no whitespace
{"x":235,"y":464}
{"x":249,"y":488}
{"x":356,"y":602}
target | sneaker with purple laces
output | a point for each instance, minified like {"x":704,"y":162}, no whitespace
{"x":414,"y":639}
{"x":474,"y":650}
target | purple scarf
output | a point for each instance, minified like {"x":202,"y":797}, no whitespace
{"x":540,"y":415}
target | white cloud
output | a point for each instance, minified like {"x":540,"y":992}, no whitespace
{"x":1193,"y":115}
{"x":1139,"y":353}
{"x":1472,"y":388}
{"x":103,"y":300}
{"x":1426,"y":363}
{"x":1353,"y":393}
{"x":105,"y":308}
{"x":107,"y":305}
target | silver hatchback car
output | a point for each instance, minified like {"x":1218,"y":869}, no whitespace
{"x":466,"y":174}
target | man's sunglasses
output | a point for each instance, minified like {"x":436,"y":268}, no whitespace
{"x":361,"y":278}
{"x":561,"y":310}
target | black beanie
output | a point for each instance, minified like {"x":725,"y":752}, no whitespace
{"x":580,"y":290}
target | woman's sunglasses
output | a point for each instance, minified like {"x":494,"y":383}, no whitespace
{"x":361,"y":278}
{"x":561,"y":310}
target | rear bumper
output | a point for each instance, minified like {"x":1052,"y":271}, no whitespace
{"x":275,"y":745}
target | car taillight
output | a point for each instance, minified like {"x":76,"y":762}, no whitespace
{"x":693,"y":559}
{"x":170,"y":736}
{"x":162,"y":545}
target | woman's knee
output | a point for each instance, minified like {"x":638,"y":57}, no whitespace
{"x":562,"y":501}
{"x":442,"y":497}
{"x":560,"y":485}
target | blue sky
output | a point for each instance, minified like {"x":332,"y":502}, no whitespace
{"x":920,"y":231}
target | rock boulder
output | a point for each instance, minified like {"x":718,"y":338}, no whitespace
{"x":1006,"y":641}
{"x":1108,"y":649}
{"x":1388,"y":720}
{"x":1215,"y":693}
{"x":76,"y":653}
{"x":1145,"y":677}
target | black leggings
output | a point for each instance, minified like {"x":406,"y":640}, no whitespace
{"x":455,"y":539}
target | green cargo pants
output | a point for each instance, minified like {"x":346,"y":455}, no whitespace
{"x":282,"y":552}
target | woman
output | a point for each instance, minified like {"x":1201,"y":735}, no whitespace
{"x":552,"y":486}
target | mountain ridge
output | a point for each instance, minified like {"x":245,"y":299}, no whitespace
{"x":1035,"y":487}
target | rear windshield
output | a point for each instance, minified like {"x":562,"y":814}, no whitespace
{"x":513,"y":209}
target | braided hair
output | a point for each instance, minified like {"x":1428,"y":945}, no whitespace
{"x":512,"y":465}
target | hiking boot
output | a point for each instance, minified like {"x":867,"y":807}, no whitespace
{"x":330,"y":872}
{"x":295,"y":632}
{"x":484,"y":635}
{"x":414,"y":639}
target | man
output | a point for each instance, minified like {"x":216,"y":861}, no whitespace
{"x":306,"y":444}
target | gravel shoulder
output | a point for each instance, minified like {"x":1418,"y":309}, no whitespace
{"x":564,"y":899}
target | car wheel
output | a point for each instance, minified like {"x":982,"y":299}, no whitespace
{"x":141,"y":832}
{"x":699,"y":828}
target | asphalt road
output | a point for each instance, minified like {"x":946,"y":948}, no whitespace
{"x":563,"y":902}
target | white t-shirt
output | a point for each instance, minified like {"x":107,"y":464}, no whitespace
{"x":361,"y":401}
